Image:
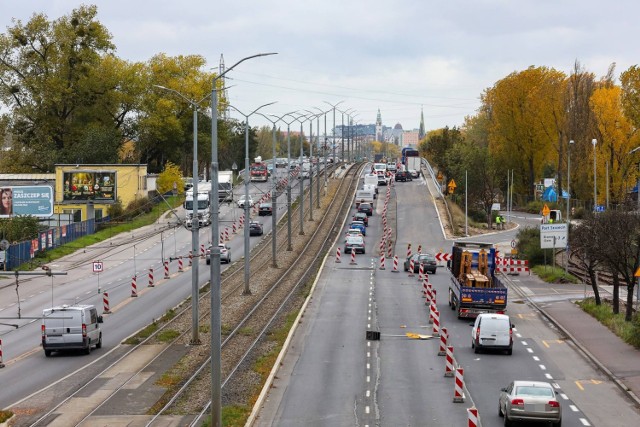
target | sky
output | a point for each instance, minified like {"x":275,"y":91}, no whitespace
{"x":398,"y":56}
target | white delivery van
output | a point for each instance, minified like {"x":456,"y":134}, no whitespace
{"x":364,"y":196}
{"x":492,"y":331}
{"x":69,"y":327}
{"x":371,"y":179}
{"x":371,"y":187}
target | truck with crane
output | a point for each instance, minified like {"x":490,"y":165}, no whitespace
{"x":474,"y":286}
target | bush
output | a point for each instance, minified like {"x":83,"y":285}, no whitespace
{"x":116,"y":211}
{"x":529,"y":246}
{"x":138,"y":207}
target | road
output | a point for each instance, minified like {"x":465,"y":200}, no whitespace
{"x":124,"y":256}
{"x":333,"y":376}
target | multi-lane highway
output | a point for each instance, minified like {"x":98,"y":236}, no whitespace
{"x":333,"y":376}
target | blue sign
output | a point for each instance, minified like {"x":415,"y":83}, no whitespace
{"x":600,"y":208}
{"x":33,"y":200}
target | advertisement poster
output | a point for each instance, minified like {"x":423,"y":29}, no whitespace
{"x":89,"y":185}
{"x":50,"y":239}
{"x":26,"y":200}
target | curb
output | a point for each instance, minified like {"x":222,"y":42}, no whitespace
{"x":586,"y":353}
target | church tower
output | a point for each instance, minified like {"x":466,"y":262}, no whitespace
{"x":379,"y":127}
{"x":421,"y":132}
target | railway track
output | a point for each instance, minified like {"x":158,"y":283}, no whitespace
{"x":246,"y":319}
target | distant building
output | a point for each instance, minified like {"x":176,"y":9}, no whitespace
{"x":410,"y":138}
{"x":379,"y":135}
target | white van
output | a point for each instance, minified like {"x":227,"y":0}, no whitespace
{"x":492,"y":331}
{"x":364,"y":196}
{"x":371,"y":179}
{"x":70,"y":327}
{"x":371,"y":187}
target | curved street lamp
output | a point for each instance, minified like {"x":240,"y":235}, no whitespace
{"x":333,"y":131}
{"x":301,"y":118}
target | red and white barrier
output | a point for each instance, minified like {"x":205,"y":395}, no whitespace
{"x":134,"y":287}
{"x":408,"y":250}
{"x":234,"y":231}
{"x":395,"y":264}
{"x":190,"y":258}
{"x":353,"y":257}
{"x":151,"y":285}
{"x":458,"y":393}
{"x":432,"y":308}
{"x":425,"y":287}
{"x":419,"y":249}
{"x":443,"y":341}
{"x":338,"y":255}
{"x":166,"y":270}
{"x":381,"y":246}
{"x":180,"y":269}
{"x":226,"y":234}
{"x":472,"y":416}
{"x":421,"y":272}
{"x":202,"y":251}
{"x":512,"y":265}
{"x":429,"y":296}
{"x":411,"y":268}
{"x":382,"y":262}
{"x":448,"y":362}
{"x":389,"y":248}
{"x":436,"y":324}
{"x":1,"y":362}
{"x":105,"y":303}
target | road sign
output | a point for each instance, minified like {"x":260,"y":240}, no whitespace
{"x":98,"y":266}
{"x":545,"y":210}
{"x":553,"y":235}
{"x":513,"y":243}
{"x":443,"y":256}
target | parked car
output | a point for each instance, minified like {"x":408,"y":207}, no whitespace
{"x":242,"y":201}
{"x":225,"y":254}
{"x":492,"y":331}
{"x":265,"y":208}
{"x":360,"y":226}
{"x":361,"y":216}
{"x":428,"y":261}
{"x":401,"y":176}
{"x":255,"y":228}
{"x":529,"y":401}
{"x":354,"y":242}
{"x":366,"y":208}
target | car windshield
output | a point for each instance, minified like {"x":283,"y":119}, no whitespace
{"x":355,"y":239}
{"x":534,"y":391}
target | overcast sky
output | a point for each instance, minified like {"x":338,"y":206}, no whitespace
{"x":395,"y":55}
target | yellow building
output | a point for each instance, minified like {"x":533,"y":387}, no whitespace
{"x":87,"y":190}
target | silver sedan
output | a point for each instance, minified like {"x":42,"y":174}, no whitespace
{"x":529,"y":401}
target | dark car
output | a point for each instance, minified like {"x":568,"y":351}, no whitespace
{"x":265,"y":208}
{"x":401,"y":176}
{"x":366,"y":208}
{"x":361,"y":216}
{"x":427,"y":260}
{"x":255,"y":228}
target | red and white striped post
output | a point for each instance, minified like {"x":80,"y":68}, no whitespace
{"x":432,"y":309}
{"x":1,"y":362}
{"x":436,"y":324}
{"x":458,"y":393}
{"x":353,"y":257}
{"x":202,"y":251}
{"x":421,"y":272}
{"x":408,"y":250}
{"x":448,"y":362}
{"x":180,"y":269}
{"x":429,"y":297}
{"x":338,"y":255}
{"x":419,"y":249}
{"x":425,"y":287}
{"x":411,"y":267}
{"x":472,"y":416}
{"x":134,"y":287}
{"x":166,"y":270}
{"x":151,"y":285}
{"x":234,"y":231}
{"x":190,"y":258}
{"x":382,"y":261}
{"x":226,"y":234}
{"x":395,"y":264}
{"x":105,"y":303}
{"x":390,"y":248}
{"x":443,"y":342}
{"x":381,"y":249}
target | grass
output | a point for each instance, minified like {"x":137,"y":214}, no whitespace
{"x":5,"y":415}
{"x":150,"y":329}
{"x":168,"y":335}
{"x":629,"y":332}
{"x":554,"y":274}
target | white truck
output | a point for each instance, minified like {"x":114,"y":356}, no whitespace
{"x":225,"y":186}
{"x":199,"y":204}
{"x":413,"y":165}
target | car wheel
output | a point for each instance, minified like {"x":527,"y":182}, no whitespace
{"x":558,"y":424}
{"x":500,"y":414}
{"x":47,"y":353}
{"x":99,"y":345}
{"x":510,"y":352}
{"x":507,"y":422}
{"x":434,"y":271}
{"x":87,"y":350}
{"x":472,"y":344}
{"x":208,"y":261}
{"x":476,"y":349}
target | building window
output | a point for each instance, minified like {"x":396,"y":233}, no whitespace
{"x":98,"y":215}
{"x":76,"y":213}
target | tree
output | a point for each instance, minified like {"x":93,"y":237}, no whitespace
{"x":47,"y":80}
{"x":583,"y":241}
{"x":168,"y":177}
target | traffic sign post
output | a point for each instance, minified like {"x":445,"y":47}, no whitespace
{"x":553,"y":235}
{"x":98,"y":267}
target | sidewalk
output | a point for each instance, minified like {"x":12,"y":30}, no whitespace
{"x":617,"y":359}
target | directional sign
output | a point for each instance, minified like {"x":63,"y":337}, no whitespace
{"x":553,"y":235}
{"x":98,"y":266}
{"x":443,"y":256}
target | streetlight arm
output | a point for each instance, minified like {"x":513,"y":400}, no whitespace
{"x":241,"y":61}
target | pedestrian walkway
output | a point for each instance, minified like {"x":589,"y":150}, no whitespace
{"x":617,"y":359}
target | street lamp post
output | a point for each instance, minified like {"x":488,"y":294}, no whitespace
{"x":289,"y":246}
{"x":569,"y":178}
{"x":215,"y":324}
{"x":247,"y":206}
{"x":333,"y":131}
{"x":301,"y":119}
{"x":347,"y":112}
{"x":195,"y":240}
{"x":595,"y":196}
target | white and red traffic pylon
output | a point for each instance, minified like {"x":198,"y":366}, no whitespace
{"x":151,"y":285}
{"x":1,"y":362}
{"x":338,"y":255}
{"x":419,"y":249}
{"x":353,"y":257}
{"x":472,"y":417}
{"x":180,"y":269}
{"x":105,"y":303}
{"x":166,"y":269}
{"x":436,"y":324}
{"x":382,"y":261}
{"x":421,"y":272}
{"x":395,"y":264}
{"x":458,"y":390}
{"x":202,"y":251}
{"x":411,"y":267}
{"x":448,"y":362}
{"x":443,"y":342}
{"x":408,"y":250}
{"x":134,"y":287}
{"x":190,"y":258}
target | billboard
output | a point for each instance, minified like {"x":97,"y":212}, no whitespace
{"x":26,"y":200}
{"x":99,"y":186}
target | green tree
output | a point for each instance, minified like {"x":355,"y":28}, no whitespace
{"x":168,"y":177}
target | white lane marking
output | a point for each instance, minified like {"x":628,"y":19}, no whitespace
{"x":584,"y":422}
{"x":368,"y":393}
{"x":366,"y":410}
{"x":544,"y":368}
{"x":519,"y":335}
{"x":368,"y":366}
{"x":368,"y":378}
{"x":525,"y":343}
{"x":536,"y":358}
{"x":548,"y":376}
{"x":530,"y":350}
{"x":574,"y":408}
